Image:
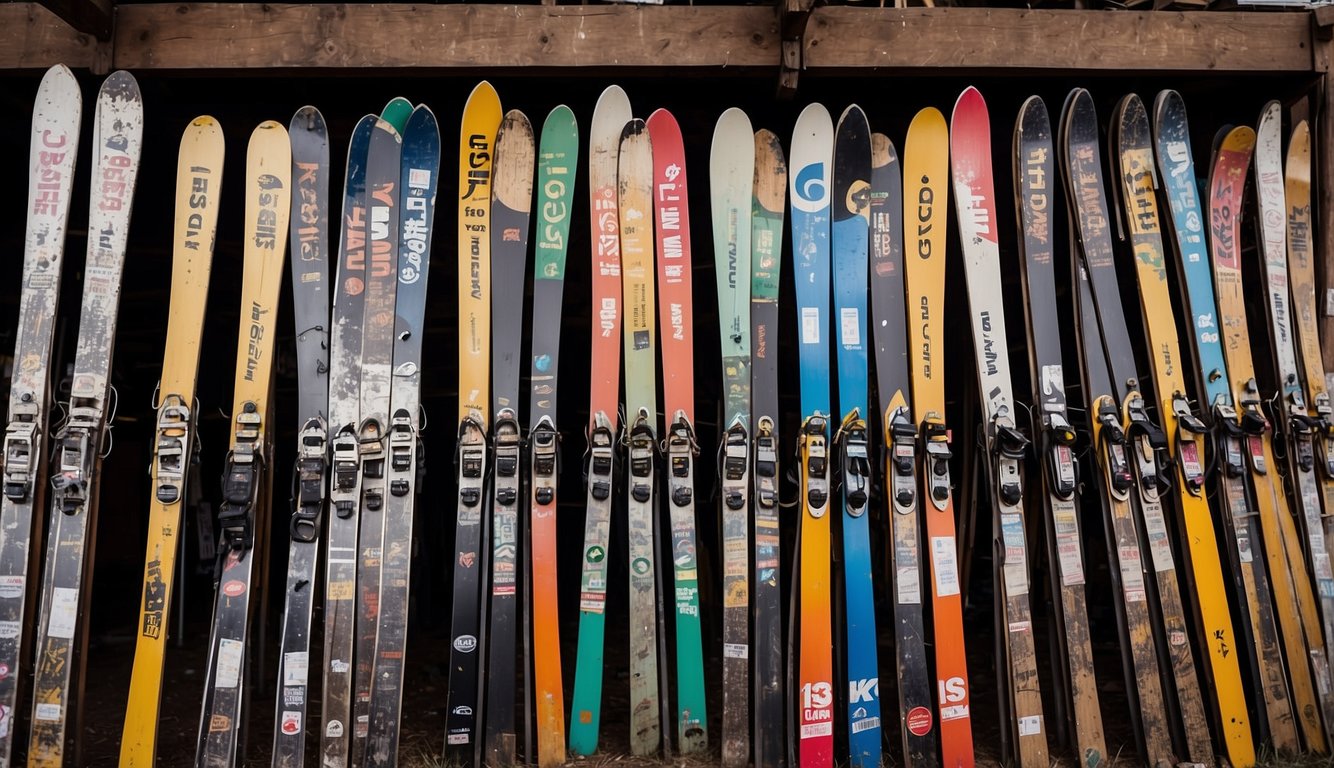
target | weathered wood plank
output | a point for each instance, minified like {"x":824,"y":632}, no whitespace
{"x":254,"y":35}
{"x":31,"y":37}
{"x":986,"y":38}
{"x":1323,"y":181}
{"x":92,"y":17}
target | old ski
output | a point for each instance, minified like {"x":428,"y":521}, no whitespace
{"x":511,"y":200}
{"x":309,"y":239}
{"x":899,"y":432}
{"x":344,"y":414}
{"x":1005,"y":447}
{"x":672,"y":217}
{"x":1180,"y":457}
{"x":198,"y":184}
{"x":925,"y":174}
{"x":557,"y":161}
{"x":241,"y":514}
{"x":481,"y":120}
{"x":812,"y":160}
{"x":418,"y":179}
{"x":849,"y":254}
{"x":1077,"y":150}
{"x":81,"y":441}
{"x":609,"y":117}
{"x":731,"y":176}
{"x":768,"y":723}
{"x":54,"y":147}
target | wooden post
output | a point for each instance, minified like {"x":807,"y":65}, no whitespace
{"x":1323,"y":179}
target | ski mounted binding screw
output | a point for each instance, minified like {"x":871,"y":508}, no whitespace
{"x":346,"y":472}
{"x":641,"y":459}
{"x":936,"y":446}
{"x":240,"y":483}
{"x":856,"y":460}
{"x":402,"y":441}
{"x":766,"y":464}
{"x":1008,"y":446}
{"x":736,"y":461}
{"x":543,"y":443}
{"x":1190,"y":434}
{"x":1062,"y":471}
{"x":600,"y":457}
{"x":680,"y":455}
{"x":902,"y":445}
{"x":816,"y":460}
{"x":172,"y":453}
{"x":310,"y":470}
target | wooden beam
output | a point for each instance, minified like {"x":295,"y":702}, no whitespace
{"x":1322,"y":174}
{"x":91,"y":17}
{"x":973,"y":39}
{"x":534,"y":37}
{"x":31,"y":37}
{"x":793,"y":16}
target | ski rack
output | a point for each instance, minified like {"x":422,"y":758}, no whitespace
{"x":312,"y":466}
{"x":241,"y":479}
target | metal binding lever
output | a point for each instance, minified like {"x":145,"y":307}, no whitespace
{"x":542,"y":440}
{"x":1301,"y":435}
{"x":370,"y":444}
{"x":600,"y":457}
{"x":1149,"y":443}
{"x":173,"y":450}
{"x":1254,"y":425}
{"x":1228,"y":437}
{"x":766,"y":463}
{"x":856,"y":460}
{"x":1059,"y":456}
{"x":240,"y":483}
{"x":508,"y":448}
{"x":640,"y":442}
{"x":936,"y":447}
{"x":346,"y":472}
{"x":815,"y":458}
{"x":74,"y":467}
{"x":902,"y":445}
{"x":402,"y":441}
{"x":472,"y":463}
{"x":1112,"y":439}
{"x":1008,"y":446}
{"x":21,"y":438}
{"x":736,"y":462}
{"x":681,"y":450}
{"x":1191,"y":432}
{"x":1324,"y":422}
{"x":310,"y":470}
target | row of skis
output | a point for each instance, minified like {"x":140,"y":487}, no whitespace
{"x":1224,"y":614}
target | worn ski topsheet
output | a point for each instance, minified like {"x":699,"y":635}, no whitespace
{"x":418,"y":181}
{"x":849,"y":254}
{"x":1005,"y":446}
{"x":731,"y":178}
{"x":267,"y":210}
{"x":1290,"y":577}
{"x":309,"y":242}
{"x":80,"y":441}
{"x":557,"y":163}
{"x":769,"y":720}
{"x":1185,"y":434}
{"x":54,"y":147}
{"x":1081,"y":172}
{"x":511,"y":200}
{"x":481,"y":120}
{"x":925,"y":210}
{"x":672,"y":217}
{"x":1035,"y":182}
{"x":1212,"y":390}
{"x":899,"y":432}
{"x":340,"y":565}
{"x":609,"y":118}
{"x":198,"y":185}
{"x":812,"y":161}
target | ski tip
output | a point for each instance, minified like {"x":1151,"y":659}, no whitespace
{"x":308,"y":119}
{"x":119,"y":85}
{"x":927,"y":119}
{"x":559,"y":117}
{"x":663,"y":122}
{"x":385,"y":126}
{"x":1271,"y":117}
{"x":814,"y":128}
{"x":633,"y":128}
{"x":267,"y":129}
{"x":731,"y":132}
{"x":483,"y":97}
{"x":882,"y":151}
{"x":767,"y":142}
{"x":1168,"y":102}
{"x":613,"y":97}
{"x":970,"y":106}
{"x":422,"y":119}
{"x":855,"y":117}
{"x":205,"y":124}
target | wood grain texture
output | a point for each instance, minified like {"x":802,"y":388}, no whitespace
{"x":255,"y":35}
{"x":35,"y":38}
{"x":981,"y":38}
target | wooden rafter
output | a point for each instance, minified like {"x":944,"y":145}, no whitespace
{"x":32,"y":37}
{"x":91,"y":17}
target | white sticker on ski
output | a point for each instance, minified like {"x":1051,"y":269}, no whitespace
{"x":945,"y":566}
{"x":850,"y":331}
{"x":810,"y":325}
{"x":230,"y":654}
{"x":296,"y":667}
{"x":64,"y":613}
